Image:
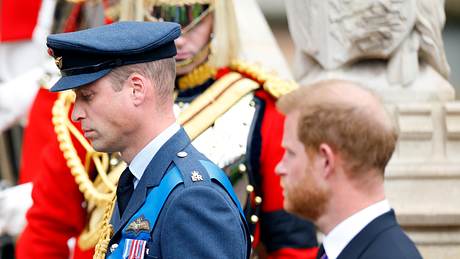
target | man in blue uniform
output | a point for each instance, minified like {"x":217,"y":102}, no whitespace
{"x":172,"y":202}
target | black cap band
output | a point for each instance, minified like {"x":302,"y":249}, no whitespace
{"x":86,"y":65}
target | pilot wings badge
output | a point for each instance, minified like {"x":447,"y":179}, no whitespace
{"x":138,"y":225}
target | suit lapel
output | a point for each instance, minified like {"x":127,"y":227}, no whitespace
{"x":365,"y":237}
{"x":151,"y":177}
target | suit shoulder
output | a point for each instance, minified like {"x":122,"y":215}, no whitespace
{"x":392,"y":243}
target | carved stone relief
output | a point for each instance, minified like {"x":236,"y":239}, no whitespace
{"x":336,"y":34}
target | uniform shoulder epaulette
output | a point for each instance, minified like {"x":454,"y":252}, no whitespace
{"x":271,"y":83}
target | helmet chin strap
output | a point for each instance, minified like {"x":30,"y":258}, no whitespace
{"x":204,"y":52}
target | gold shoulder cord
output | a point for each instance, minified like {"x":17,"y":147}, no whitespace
{"x":106,"y":232}
{"x":196,"y":77}
{"x":101,"y":193}
{"x":271,"y":83}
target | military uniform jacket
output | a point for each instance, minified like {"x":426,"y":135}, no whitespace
{"x":199,"y":218}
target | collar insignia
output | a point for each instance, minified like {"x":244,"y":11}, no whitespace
{"x":196,"y":176}
{"x":138,"y":225}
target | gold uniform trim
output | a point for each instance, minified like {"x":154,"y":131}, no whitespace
{"x":197,"y":77}
{"x":271,"y":83}
{"x":208,"y":96}
{"x":209,"y":106}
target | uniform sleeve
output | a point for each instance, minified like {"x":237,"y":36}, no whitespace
{"x":202,"y":222}
{"x":284,"y":235}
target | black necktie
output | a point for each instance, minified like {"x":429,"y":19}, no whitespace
{"x":125,"y":189}
{"x":321,"y":253}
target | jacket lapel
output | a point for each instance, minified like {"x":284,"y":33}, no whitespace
{"x":151,"y":177}
{"x":365,"y":237}
{"x":115,"y":221}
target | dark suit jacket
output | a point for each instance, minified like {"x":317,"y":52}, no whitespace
{"x":382,"y":238}
{"x":198,"y":220}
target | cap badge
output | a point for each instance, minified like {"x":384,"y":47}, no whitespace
{"x":138,"y":225}
{"x":58,"y":62}
{"x":196,"y":176}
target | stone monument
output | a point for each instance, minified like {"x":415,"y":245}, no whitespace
{"x":395,"y":48}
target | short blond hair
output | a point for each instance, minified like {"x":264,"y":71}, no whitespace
{"x":360,"y":129}
{"x":162,"y":72}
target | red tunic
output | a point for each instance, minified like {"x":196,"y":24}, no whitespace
{"x":18,"y":19}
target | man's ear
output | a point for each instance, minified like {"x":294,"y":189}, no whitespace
{"x":327,"y":159}
{"x":138,"y":88}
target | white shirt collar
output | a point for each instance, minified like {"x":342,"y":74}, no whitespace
{"x":143,"y":158}
{"x":346,"y":230}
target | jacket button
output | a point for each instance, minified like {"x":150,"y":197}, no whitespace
{"x":113,"y":247}
{"x":182,"y":154}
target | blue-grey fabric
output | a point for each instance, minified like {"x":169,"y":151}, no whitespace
{"x":87,"y":55}
{"x":198,"y":220}
{"x":383,"y":238}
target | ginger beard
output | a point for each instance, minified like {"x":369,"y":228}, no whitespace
{"x":305,"y":197}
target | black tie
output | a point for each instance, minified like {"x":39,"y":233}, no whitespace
{"x":321,"y":253}
{"x":125,"y":189}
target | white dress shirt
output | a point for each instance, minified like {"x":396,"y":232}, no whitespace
{"x":346,"y":230}
{"x":143,"y":158}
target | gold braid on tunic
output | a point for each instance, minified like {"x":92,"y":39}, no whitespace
{"x":271,"y":83}
{"x":197,"y":76}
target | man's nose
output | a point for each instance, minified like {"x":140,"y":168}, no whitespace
{"x":279,"y":169}
{"x":179,"y":42}
{"x":77,"y":113}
